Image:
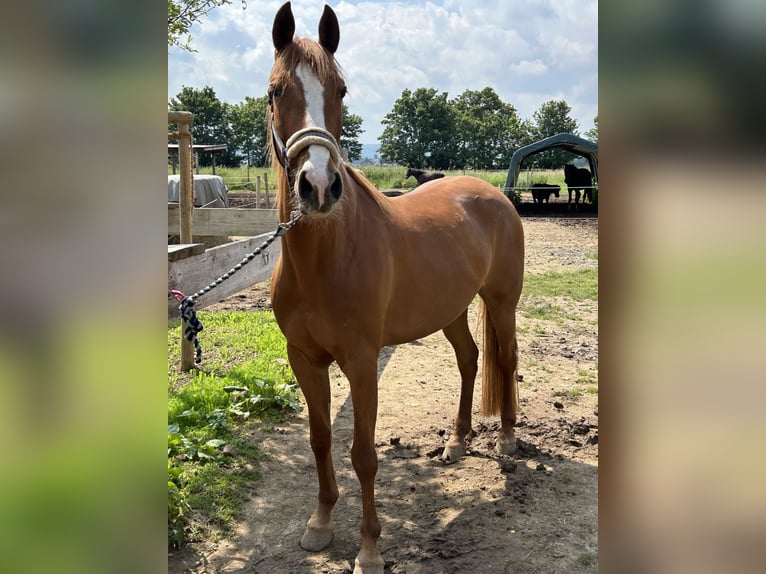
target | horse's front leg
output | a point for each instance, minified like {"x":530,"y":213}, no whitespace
{"x":361,"y":370}
{"x":314,"y":381}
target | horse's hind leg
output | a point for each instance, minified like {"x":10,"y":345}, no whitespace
{"x":503,"y":317}
{"x":467,"y":354}
{"x":315,"y":384}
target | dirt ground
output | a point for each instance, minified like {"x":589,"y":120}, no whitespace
{"x":534,"y":512}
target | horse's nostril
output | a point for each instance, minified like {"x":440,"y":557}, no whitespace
{"x":305,"y":187}
{"x":336,"y":188}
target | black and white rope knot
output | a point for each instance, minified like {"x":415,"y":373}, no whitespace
{"x":186,"y":307}
{"x":193,"y":326}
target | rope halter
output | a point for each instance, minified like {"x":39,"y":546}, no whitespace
{"x":300,"y":140}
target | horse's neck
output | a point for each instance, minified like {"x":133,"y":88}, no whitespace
{"x":309,"y":243}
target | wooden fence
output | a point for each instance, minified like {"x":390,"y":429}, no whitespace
{"x":192,"y":273}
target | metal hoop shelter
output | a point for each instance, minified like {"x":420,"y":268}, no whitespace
{"x":569,"y":142}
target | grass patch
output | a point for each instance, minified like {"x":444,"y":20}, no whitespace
{"x":587,"y":559}
{"x":585,"y":377}
{"x":572,"y":394}
{"x":545,"y":311}
{"x":210,"y":457}
{"x":580,"y":285}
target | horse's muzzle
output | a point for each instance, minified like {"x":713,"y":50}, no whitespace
{"x":319,"y":192}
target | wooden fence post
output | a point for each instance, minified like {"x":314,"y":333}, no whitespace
{"x":258,"y":192}
{"x":186,"y":205}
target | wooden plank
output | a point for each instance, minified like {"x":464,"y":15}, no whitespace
{"x":191,"y":274}
{"x":178,"y":252}
{"x":226,"y":221}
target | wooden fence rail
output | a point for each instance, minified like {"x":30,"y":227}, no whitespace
{"x":191,"y":274}
{"x":242,"y":222}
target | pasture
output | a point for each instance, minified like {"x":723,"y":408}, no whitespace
{"x":534,"y":511}
{"x":385,"y":177}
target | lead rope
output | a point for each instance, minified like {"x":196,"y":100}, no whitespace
{"x":186,"y":307}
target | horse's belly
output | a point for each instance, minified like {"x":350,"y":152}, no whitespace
{"x":420,"y":313}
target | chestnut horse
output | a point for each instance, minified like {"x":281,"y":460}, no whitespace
{"x":359,"y":270}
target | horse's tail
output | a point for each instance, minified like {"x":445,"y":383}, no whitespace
{"x":492,"y":375}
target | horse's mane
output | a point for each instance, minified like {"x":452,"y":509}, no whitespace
{"x":365,"y":186}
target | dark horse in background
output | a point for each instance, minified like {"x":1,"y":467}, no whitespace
{"x":578,"y":179}
{"x":541,"y":192}
{"x":423,"y":176}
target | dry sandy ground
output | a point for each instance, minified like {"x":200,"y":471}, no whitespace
{"x":533,"y":512}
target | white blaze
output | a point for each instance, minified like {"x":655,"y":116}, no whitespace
{"x":318,"y":163}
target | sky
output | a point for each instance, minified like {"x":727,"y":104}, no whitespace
{"x":529,"y":52}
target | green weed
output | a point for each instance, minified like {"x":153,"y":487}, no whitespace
{"x":571,"y":394}
{"x":545,"y":311}
{"x":585,"y":377}
{"x":580,"y":285}
{"x":209,"y":456}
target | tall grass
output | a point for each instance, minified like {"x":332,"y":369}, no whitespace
{"x":381,"y":176}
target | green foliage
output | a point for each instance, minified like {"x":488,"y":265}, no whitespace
{"x":420,"y":131}
{"x":553,"y":118}
{"x":475,"y":130}
{"x":489,"y":130}
{"x":209,"y":454}
{"x":178,"y":507}
{"x":349,"y":138}
{"x":249,"y":130}
{"x":211,"y":125}
{"x":592,"y":133}
{"x":182,"y":14}
{"x":244,"y":128}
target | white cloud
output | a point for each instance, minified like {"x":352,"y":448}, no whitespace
{"x":527,"y":68}
{"x":528,"y":52}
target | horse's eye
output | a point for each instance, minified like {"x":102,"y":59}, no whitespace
{"x":342,"y":92}
{"x":274,"y":92}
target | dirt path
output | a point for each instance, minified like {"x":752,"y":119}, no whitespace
{"x":533,"y":512}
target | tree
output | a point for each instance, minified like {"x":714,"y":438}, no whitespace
{"x":489,"y":130}
{"x":420,"y":131}
{"x":592,"y":133}
{"x":349,"y":138}
{"x":182,"y":14}
{"x":210,"y":124}
{"x":553,"y":118}
{"x":249,"y":130}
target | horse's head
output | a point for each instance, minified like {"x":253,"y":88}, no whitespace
{"x":306,"y":92}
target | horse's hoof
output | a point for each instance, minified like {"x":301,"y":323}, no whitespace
{"x":375,"y":568}
{"x":506,"y":445}
{"x":452,"y":452}
{"x":315,"y":540}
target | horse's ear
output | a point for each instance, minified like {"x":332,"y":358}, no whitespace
{"x":284,"y":27}
{"x":329,"y":30}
